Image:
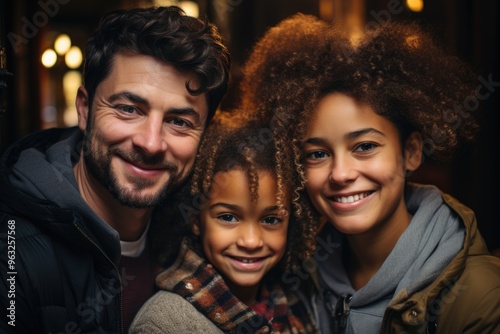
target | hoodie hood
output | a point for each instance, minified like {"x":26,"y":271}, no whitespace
{"x":38,"y":183}
{"x":433,"y":238}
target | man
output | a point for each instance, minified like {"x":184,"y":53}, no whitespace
{"x":76,"y":204}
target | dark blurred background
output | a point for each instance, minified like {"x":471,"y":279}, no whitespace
{"x":40,"y":66}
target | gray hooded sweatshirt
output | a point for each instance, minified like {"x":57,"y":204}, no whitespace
{"x":434,"y":236}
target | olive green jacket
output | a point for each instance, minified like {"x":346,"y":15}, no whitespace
{"x":465,"y":298}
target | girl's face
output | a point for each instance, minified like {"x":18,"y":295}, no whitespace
{"x":242,"y":239}
{"x":355,"y":167}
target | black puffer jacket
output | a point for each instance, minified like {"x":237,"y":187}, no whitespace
{"x":58,"y":262}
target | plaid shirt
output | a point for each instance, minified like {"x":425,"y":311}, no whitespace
{"x":193,"y":278}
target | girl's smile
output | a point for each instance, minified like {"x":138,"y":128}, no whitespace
{"x":243,"y":237}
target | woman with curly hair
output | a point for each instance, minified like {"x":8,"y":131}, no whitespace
{"x":392,"y":256}
{"x":227,"y":275}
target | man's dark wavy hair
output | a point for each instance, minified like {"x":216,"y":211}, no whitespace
{"x":168,"y":35}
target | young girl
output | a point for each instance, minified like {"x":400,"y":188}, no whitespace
{"x":227,"y":276}
{"x":408,"y":258}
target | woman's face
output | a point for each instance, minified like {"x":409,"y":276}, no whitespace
{"x":355,"y":166}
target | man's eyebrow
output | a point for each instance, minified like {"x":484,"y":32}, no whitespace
{"x":185,"y":112}
{"x":129,"y":96}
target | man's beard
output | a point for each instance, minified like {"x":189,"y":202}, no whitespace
{"x":99,"y":165}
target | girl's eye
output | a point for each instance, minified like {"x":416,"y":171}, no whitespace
{"x":365,"y":147}
{"x":228,"y":218}
{"x":316,"y":155}
{"x":271,"y":220}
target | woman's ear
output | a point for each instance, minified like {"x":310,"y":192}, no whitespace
{"x":413,"y":151}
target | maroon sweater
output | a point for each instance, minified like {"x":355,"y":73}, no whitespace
{"x":138,"y":284}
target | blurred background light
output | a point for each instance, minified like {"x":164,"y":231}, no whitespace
{"x":415,"y":5}
{"x":191,"y":8}
{"x":73,"y":57}
{"x":49,"y":58}
{"x":71,"y":81}
{"x":62,"y":44}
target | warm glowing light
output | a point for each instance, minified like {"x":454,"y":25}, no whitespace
{"x":71,"y":81}
{"x":49,"y":58}
{"x":62,"y":44}
{"x":190,"y":8}
{"x":165,"y":3}
{"x":415,"y":5}
{"x":413,"y":41}
{"x":73,"y":57}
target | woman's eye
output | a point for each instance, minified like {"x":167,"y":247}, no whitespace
{"x":271,"y":220}
{"x":365,"y":147}
{"x":316,"y":155}
{"x":227,"y":218}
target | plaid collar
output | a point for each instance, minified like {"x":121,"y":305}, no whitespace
{"x":193,"y":278}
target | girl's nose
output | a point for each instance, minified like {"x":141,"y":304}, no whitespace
{"x":250,"y":236}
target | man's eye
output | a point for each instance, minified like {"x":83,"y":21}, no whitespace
{"x":127,"y":109}
{"x":179,"y":122}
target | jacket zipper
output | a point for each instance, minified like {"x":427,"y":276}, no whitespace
{"x":339,"y":313}
{"x":342,"y":311}
{"x":385,"y":320}
{"x":116,"y":269}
